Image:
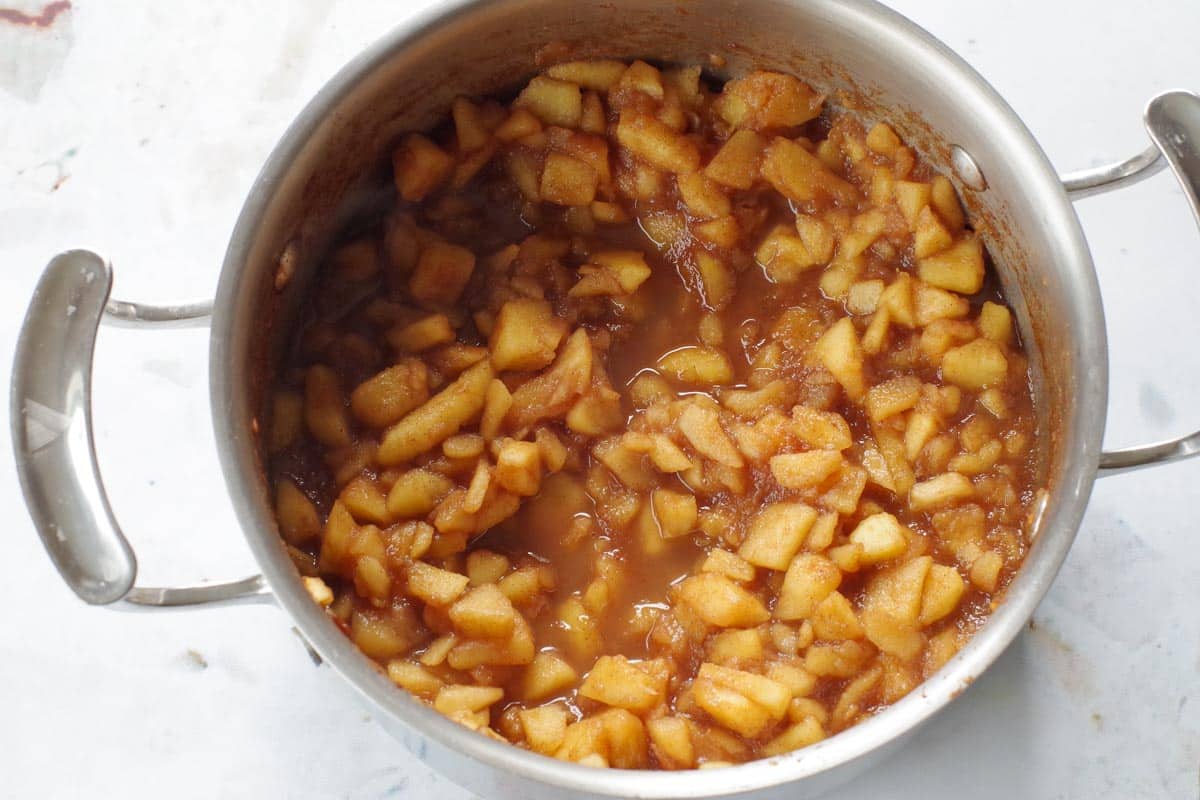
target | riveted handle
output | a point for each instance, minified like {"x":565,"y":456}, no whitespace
{"x":1173,"y":122}
{"x":55,"y":452}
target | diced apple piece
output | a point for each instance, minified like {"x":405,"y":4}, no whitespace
{"x":809,"y":580}
{"x":911,"y":197}
{"x":417,"y":492}
{"x":544,"y":727}
{"x":881,"y":537}
{"x":325,"y":407}
{"x":863,"y":297}
{"x":945,"y":202}
{"x":776,"y":534}
{"x":484,"y":613}
{"x":767,"y":100}
{"x":932,"y":303}
{"x":736,"y":164}
{"x":599,"y":74}
{"x":419,"y":166}
{"x":554,"y":102}
{"x":944,"y":587}
{"x":618,"y":682}
{"x":721,"y":602}
{"x":893,"y":396}
{"x":958,"y":268}
{"x":800,"y":176}
{"x":415,"y":678}
{"x":701,"y":426}
{"x":821,"y":429}
{"x":783,"y":256}
{"x":433,"y":585}
{"x":298,"y":519}
{"x":703,"y":196}
{"x":390,"y":394}
{"x":800,"y":734}
{"x":547,"y":675}
{"x":805,"y":470}
{"x":439,"y":418}
{"x":567,"y":181}
{"x":429,"y":331}
{"x":441,"y":274}
{"x":672,"y":740}
{"x":674,"y":511}
{"x":985,"y":570}
{"x":526,"y":335}
{"x":835,"y":619}
{"x":656,"y":143}
{"x":613,"y":273}
{"x":929,"y":234}
{"x":723,"y":562}
{"x":995,"y":322}
{"x":976,"y":365}
{"x":839,"y":351}
{"x":940,"y":491}
{"x":716,"y":279}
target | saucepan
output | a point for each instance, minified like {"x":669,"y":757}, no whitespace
{"x":869,"y":59}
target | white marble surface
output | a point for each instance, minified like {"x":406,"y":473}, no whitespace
{"x":136,"y":128}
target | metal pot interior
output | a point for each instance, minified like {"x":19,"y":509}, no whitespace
{"x":869,"y":60}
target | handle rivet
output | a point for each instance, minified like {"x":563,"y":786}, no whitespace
{"x":966,"y":170}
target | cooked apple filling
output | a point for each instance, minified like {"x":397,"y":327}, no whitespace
{"x":651,"y":425}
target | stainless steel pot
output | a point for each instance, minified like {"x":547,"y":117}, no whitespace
{"x":879,"y":62}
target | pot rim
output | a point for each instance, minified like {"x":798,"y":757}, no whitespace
{"x":236,"y":444}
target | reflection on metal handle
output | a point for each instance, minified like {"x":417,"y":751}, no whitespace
{"x":1098,"y":180}
{"x":1173,"y":122}
{"x":55,"y":452}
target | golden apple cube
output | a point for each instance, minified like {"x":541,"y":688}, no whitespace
{"x":944,"y":587}
{"x":839,"y":351}
{"x":776,"y":535}
{"x":419,"y":166}
{"x":836,"y":620}
{"x":893,"y":396}
{"x":800,"y":734}
{"x":618,"y":682}
{"x":881,"y":537}
{"x":433,"y":585}
{"x":519,"y":467}
{"x":723,"y":562}
{"x":417,"y":492}
{"x":701,"y":426}
{"x":809,"y":580}
{"x":721,"y":602}
{"x":438,"y":418}
{"x":546,"y":676}
{"x":940,"y":491}
{"x":995,"y":322}
{"x":783,"y":256}
{"x":427,"y":332}
{"x":484,"y":613}
{"x":736,"y":164}
{"x":958,"y":268}
{"x":298,"y":518}
{"x":325,"y":407}
{"x":672,"y":740}
{"x":656,"y":143}
{"x":553,"y":101}
{"x":441,"y":274}
{"x":703,"y":196}
{"x":383,"y":399}
{"x":567,"y":181}
{"x":675,"y":512}
{"x":414,"y":677}
{"x":599,"y":75}
{"x":821,"y":429}
{"x":805,"y":470}
{"x":929,"y":235}
{"x":976,"y":365}
{"x":931,"y":303}
{"x":544,"y":727}
{"x":800,"y":176}
{"x":911,"y":197}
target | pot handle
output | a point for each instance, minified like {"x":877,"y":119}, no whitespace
{"x":1173,"y":122}
{"x":51,"y":420}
